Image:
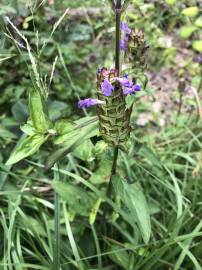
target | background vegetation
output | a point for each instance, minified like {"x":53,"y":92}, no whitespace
{"x":164,"y":162}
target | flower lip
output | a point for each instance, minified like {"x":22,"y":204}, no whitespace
{"x":123,"y":45}
{"x":125,"y":28}
{"x":131,"y":90}
{"x":124,"y":82}
{"x":88,"y":102}
{"x":107,"y":88}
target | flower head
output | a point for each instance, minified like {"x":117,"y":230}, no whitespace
{"x":88,"y":102}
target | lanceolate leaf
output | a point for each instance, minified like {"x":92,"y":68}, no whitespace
{"x":27,"y":147}
{"x":38,"y":112}
{"x":132,"y":196}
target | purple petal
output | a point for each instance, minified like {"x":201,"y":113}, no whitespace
{"x":136,"y":88}
{"x":198,"y":59}
{"x":107,"y":88}
{"x":88,"y":102}
{"x":125,"y":82}
{"x":131,"y":90}
{"x":125,"y":28}
{"x":123,"y":45}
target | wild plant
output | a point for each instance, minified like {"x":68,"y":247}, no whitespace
{"x":116,"y":95}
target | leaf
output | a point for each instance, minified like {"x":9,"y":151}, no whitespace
{"x":186,"y":31}
{"x":70,"y":130}
{"x":198,"y":22}
{"x":6,"y":134}
{"x":20,"y":111}
{"x":119,"y":256}
{"x":64,"y":126}
{"x":190,"y":11}
{"x":94,"y":210}
{"x":28,"y":129}
{"x":84,"y":152}
{"x":170,"y":2}
{"x":132,"y":196}
{"x":197,"y":45}
{"x":72,"y":140}
{"x":38,"y":112}
{"x":102,"y":174}
{"x":78,"y":199}
{"x":27,"y":147}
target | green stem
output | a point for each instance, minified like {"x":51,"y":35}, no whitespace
{"x":117,"y":47}
{"x":56,"y":253}
{"x":113,"y":170}
{"x":117,"y":66}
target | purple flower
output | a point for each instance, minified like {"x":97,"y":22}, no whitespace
{"x":123,"y":45}
{"x":125,"y":28}
{"x":107,"y":88}
{"x":131,"y":90}
{"x":88,"y":102}
{"x":198,"y":59}
{"x":125,"y":82}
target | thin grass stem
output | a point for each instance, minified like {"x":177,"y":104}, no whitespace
{"x":56,"y":247}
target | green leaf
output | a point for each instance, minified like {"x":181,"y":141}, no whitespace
{"x":28,"y":129}
{"x":84,"y":152}
{"x":72,"y":140}
{"x":6,"y":134}
{"x":27,"y":147}
{"x":38,"y":112}
{"x":198,"y":22}
{"x":190,"y":11}
{"x":78,"y":199}
{"x":119,"y":256}
{"x":186,"y":31}
{"x":102,"y":174}
{"x":94,"y":210}
{"x":170,"y":2}
{"x":132,"y":196}
{"x":64,"y":126}
{"x":69,"y":131}
{"x":197,"y":45}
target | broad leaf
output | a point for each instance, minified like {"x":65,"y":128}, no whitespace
{"x":78,"y":199}
{"x":190,"y":11}
{"x":27,"y":147}
{"x":38,"y":112}
{"x":121,"y":258}
{"x":134,"y":199}
{"x":187,"y":30}
{"x":72,"y":140}
{"x":197,"y":45}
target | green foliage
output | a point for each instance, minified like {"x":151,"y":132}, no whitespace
{"x":78,"y":200}
{"x":154,"y":222}
{"x":26,"y":147}
{"x":38,"y":115}
{"x":134,"y":200}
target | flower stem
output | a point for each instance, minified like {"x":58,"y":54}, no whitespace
{"x":117,"y":66}
{"x":117,"y":48}
{"x":113,"y":170}
{"x":56,"y":252}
